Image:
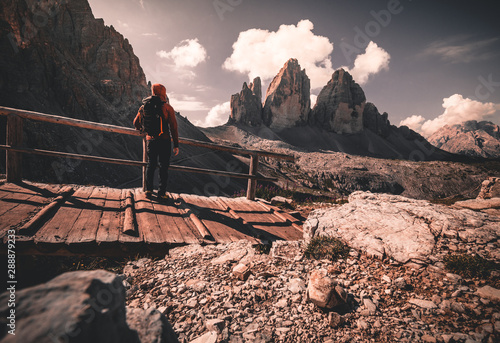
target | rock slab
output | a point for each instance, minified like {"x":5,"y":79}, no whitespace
{"x":402,"y":228}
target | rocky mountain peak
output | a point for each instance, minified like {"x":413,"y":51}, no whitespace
{"x":471,"y":138}
{"x":340,"y":105}
{"x":288,"y":98}
{"x":246,"y":106}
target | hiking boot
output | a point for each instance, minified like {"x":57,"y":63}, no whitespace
{"x":162,"y":197}
{"x":149,"y":194}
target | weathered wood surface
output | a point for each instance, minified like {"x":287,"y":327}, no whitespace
{"x":65,"y":220}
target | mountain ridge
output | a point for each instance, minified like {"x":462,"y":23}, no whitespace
{"x":470,"y":138}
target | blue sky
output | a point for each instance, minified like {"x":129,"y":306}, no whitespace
{"x":426,"y":63}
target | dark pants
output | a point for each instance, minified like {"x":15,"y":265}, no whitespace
{"x":158,"y":150}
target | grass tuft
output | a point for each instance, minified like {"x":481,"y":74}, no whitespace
{"x":470,"y":266}
{"x":323,"y":247}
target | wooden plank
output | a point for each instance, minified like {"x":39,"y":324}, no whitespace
{"x":147,"y":223}
{"x":257,"y":233}
{"x":56,"y":229}
{"x":129,"y":241}
{"x":24,"y":208}
{"x":18,"y":194}
{"x":84,"y":229}
{"x":129,"y":223}
{"x":175,"y":231}
{"x":111,"y":220}
{"x":294,"y":222}
{"x":255,"y":215}
{"x":202,"y":211}
{"x":39,"y":219}
{"x":278,"y":212}
{"x":186,"y":211}
{"x":288,"y":233}
{"x":187,"y":228}
{"x":219,"y":222}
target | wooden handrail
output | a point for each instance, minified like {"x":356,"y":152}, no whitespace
{"x":49,"y":118}
{"x":133,"y":163}
{"x":14,"y":149}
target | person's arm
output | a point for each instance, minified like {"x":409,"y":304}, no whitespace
{"x":172,"y":123}
{"x":138,"y":120}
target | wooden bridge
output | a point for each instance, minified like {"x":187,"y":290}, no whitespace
{"x":77,"y":220}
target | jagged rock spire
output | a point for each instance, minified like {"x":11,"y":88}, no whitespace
{"x":340,"y":105}
{"x":246,"y":106}
{"x":288,"y":98}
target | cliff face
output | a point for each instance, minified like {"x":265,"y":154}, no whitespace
{"x":56,"y":57}
{"x":376,"y":122}
{"x":288,"y":98}
{"x":471,"y":138}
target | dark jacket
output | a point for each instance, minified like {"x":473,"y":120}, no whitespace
{"x":168,"y":120}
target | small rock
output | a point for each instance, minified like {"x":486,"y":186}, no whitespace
{"x":428,"y":339}
{"x":278,"y":200}
{"x":241,"y":271}
{"x":296,"y":286}
{"x":323,"y":291}
{"x":423,"y":303}
{"x":335,"y":320}
{"x":489,"y":293}
{"x":216,"y":325}
{"x":192,"y":303}
{"x":209,"y":337}
{"x":362,"y":324}
{"x":370,"y":306}
{"x":400,"y":283}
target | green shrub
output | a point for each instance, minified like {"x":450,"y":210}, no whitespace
{"x":470,"y":266}
{"x":263,"y":249}
{"x":323,"y":247}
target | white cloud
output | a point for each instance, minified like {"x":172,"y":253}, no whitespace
{"x":461,"y":49}
{"x":414,"y":122}
{"x":373,"y":61}
{"x":186,"y":103}
{"x":314,"y":98}
{"x":150,"y":34}
{"x":122,"y":24}
{"x":457,"y":110}
{"x":263,"y":53}
{"x":188,"y":53}
{"x":218,"y":115}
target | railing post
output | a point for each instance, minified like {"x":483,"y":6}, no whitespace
{"x":252,"y":183}
{"x":14,"y":160}
{"x":144,"y":159}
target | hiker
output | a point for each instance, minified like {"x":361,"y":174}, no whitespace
{"x":157,"y":119}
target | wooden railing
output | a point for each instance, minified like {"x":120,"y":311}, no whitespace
{"x":15,"y":149}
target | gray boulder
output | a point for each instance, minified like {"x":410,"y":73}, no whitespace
{"x":82,"y":306}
